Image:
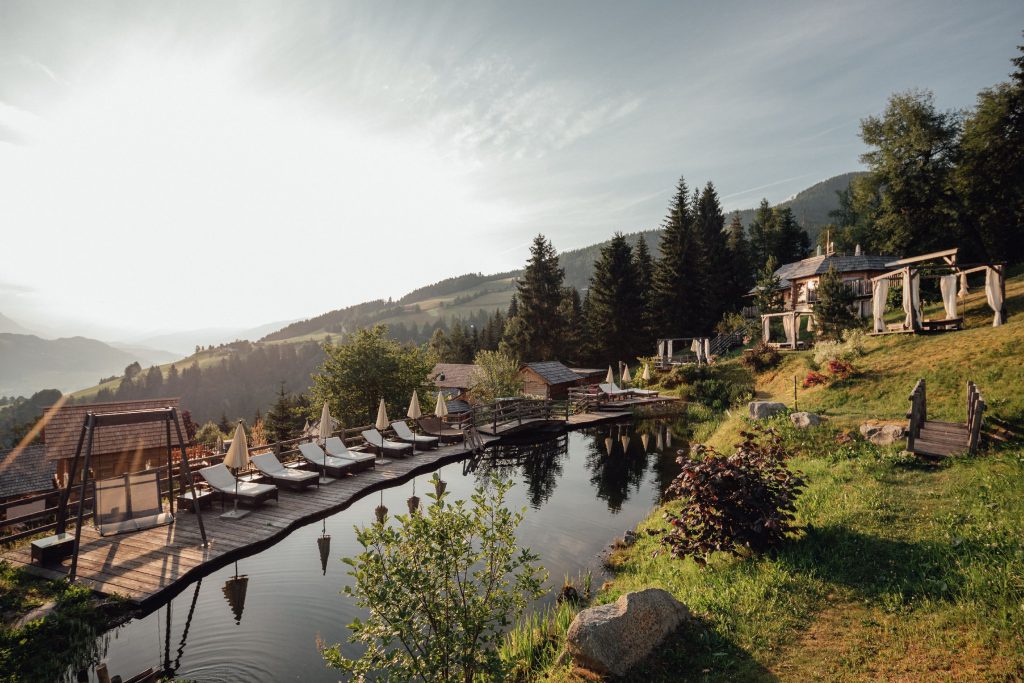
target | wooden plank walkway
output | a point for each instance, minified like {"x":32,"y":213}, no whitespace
{"x":150,"y":566}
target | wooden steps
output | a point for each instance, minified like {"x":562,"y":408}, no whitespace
{"x":936,"y":439}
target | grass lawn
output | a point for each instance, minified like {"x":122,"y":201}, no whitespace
{"x":902,"y":572}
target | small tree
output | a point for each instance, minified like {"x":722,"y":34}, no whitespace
{"x":741,"y":501}
{"x":833,"y":312}
{"x":768,"y":298}
{"x":440,"y":587}
{"x":497,"y":376}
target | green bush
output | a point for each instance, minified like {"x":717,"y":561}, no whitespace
{"x":761,"y":357}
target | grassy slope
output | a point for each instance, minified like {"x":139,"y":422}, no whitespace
{"x":203,"y":358}
{"x":903,"y":573}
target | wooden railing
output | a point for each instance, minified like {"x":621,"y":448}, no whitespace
{"x":918,"y":413}
{"x":975,"y":412}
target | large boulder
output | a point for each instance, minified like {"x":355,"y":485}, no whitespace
{"x":611,"y":639}
{"x":760,"y":410}
{"x":804,"y":420}
{"x":882,"y":434}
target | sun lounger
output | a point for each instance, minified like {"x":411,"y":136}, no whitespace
{"x":377,"y":442}
{"x":404,"y":434}
{"x":332,"y":466}
{"x":219,"y":478}
{"x":433,"y":426}
{"x":336,"y":448}
{"x":287,"y":477}
{"x":614,"y":391}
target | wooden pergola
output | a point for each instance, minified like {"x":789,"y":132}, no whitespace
{"x":791,"y":324}
{"x":942,"y":265}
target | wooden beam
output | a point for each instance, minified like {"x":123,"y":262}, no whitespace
{"x":924,"y":257}
{"x":132,"y":417}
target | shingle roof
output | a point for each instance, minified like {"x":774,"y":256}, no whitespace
{"x":24,"y":472}
{"x":553,"y":372}
{"x":844,"y":263}
{"x":61,"y":433}
{"x":456,"y":375}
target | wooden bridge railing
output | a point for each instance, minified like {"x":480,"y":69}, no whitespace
{"x":975,"y":411}
{"x":919,"y":415}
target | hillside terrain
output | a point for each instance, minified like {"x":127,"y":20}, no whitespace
{"x":901,"y":570}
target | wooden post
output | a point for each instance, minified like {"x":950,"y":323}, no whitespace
{"x":65,"y":496}
{"x":187,"y":473}
{"x":102,"y":675}
{"x":170,"y":467}
{"x":90,"y":425}
{"x":795,"y":408}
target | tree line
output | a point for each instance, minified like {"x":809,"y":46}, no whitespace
{"x":940,"y":179}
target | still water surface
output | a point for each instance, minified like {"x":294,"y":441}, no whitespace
{"x":581,"y":490}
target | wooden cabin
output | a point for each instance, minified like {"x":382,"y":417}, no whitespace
{"x":456,"y":378}
{"x":548,"y":379}
{"x":116,"y":449}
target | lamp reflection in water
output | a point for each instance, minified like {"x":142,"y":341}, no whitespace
{"x":234,"y":590}
{"x":324,"y":545}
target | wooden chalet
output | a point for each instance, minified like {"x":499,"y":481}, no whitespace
{"x":117,"y":449}
{"x":799,"y":280}
{"x":548,"y":379}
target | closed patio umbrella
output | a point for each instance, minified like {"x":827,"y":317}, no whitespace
{"x":326,"y":423}
{"x":381,"y":424}
{"x":626,"y":377}
{"x":441,"y":409}
{"x":414,"y":413}
{"x":610,"y":377}
{"x":323,"y":431}
{"x":647,"y":373}
{"x":237,"y":459}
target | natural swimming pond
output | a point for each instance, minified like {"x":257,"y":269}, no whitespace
{"x":581,"y":490}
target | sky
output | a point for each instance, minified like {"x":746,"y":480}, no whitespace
{"x":175,"y":166}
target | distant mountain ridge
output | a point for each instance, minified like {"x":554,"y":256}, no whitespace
{"x":29,"y":363}
{"x":466,"y":295}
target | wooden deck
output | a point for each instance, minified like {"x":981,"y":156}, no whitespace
{"x":150,"y":566}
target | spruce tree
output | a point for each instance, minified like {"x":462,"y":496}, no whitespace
{"x":768,"y":298}
{"x":715,"y":258}
{"x":677,"y":271}
{"x":790,"y":241}
{"x":833,"y":312}
{"x":739,"y":270}
{"x":645,"y":283}
{"x":616,"y":305}
{"x":762,"y":229}
{"x":539,"y":294}
{"x":570,"y":312}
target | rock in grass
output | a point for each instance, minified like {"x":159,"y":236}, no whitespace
{"x":805,"y":420}
{"x":883,"y":434}
{"x":611,"y":639}
{"x":759,"y":410}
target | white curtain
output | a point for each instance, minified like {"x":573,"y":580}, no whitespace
{"x":670,"y":349}
{"x":994,"y":294}
{"x":810,"y":323}
{"x":766,"y":329}
{"x":947,"y":285}
{"x":963,"y":286}
{"x":911,"y":298}
{"x":695,"y":346}
{"x":879,"y":295}
{"x":787,"y":325}
{"x":707,"y":350}
{"x":661,"y":349}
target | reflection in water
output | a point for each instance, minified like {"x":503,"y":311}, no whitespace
{"x":540,"y":460}
{"x":615,"y":471}
{"x":170,"y":669}
{"x":323,"y":543}
{"x":234,"y":590}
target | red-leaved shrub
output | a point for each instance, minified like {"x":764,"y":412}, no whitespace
{"x":814,"y":379}
{"x":840,"y":369}
{"x":743,"y":500}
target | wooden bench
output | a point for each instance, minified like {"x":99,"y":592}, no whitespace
{"x":52,"y":548}
{"x":942,"y":325}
